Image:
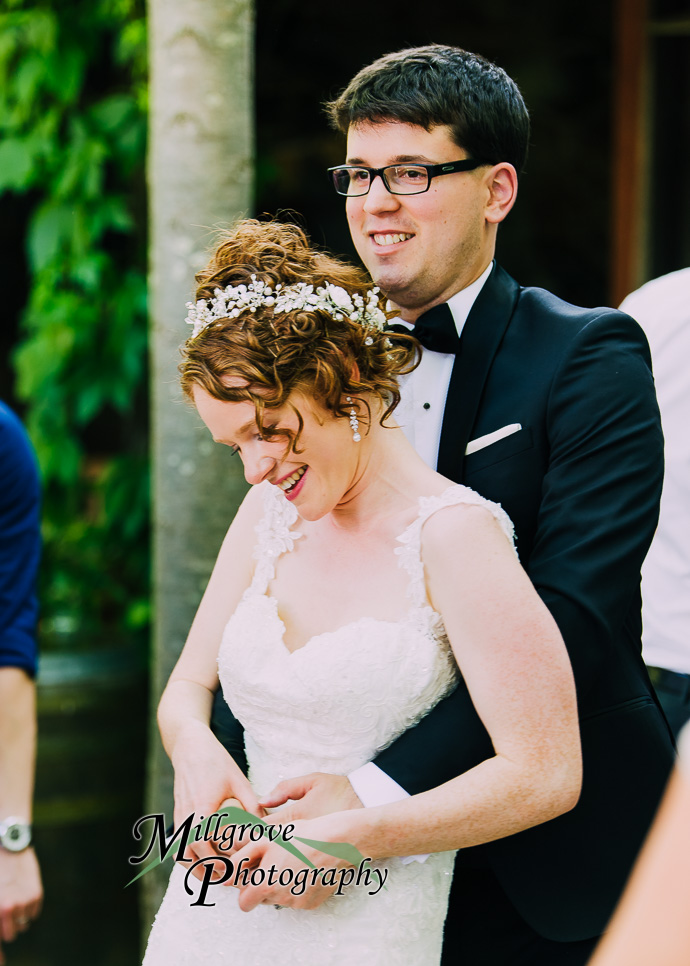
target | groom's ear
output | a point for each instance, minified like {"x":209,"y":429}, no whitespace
{"x":502,"y":185}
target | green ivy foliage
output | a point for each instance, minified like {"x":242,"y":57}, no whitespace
{"x":72,"y":141}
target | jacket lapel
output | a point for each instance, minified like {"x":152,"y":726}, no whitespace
{"x":481,"y":337}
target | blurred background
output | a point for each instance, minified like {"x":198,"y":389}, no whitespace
{"x":604,"y":205}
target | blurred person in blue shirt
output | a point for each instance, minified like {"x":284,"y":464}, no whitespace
{"x":20,"y":880}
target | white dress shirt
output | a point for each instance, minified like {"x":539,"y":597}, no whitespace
{"x":420,"y":415}
{"x":662,"y":307}
{"x":424,"y":391}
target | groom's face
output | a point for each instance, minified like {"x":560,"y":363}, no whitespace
{"x":420,"y":249}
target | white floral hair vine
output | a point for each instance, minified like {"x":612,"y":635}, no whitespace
{"x":230,"y":302}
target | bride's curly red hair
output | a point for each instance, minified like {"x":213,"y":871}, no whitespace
{"x":263,"y":357}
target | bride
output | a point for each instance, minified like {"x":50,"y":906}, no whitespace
{"x":353,"y":588}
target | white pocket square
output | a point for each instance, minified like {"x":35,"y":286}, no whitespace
{"x":481,"y":441}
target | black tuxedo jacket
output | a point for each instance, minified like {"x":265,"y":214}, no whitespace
{"x":581,"y":481}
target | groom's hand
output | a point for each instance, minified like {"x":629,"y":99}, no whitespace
{"x":310,"y":797}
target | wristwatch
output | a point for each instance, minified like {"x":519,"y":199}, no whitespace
{"x":15,"y":834}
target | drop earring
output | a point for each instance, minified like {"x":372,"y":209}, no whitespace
{"x":354,"y":422}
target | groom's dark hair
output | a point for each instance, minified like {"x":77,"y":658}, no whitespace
{"x":441,"y":85}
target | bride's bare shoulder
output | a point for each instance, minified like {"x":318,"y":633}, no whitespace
{"x":251,"y":510}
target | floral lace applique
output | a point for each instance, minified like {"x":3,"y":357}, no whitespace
{"x":274,"y":537}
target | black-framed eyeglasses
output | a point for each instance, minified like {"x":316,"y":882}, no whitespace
{"x":354,"y":180}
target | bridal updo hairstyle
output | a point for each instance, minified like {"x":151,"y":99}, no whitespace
{"x":263,"y":357}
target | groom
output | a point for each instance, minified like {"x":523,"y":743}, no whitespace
{"x":549,"y":410}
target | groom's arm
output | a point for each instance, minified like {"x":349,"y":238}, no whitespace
{"x":228,"y":730}
{"x":600,"y":500}
{"x":448,"y":741}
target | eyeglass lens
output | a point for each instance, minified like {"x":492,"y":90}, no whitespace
{"x":403,"y":179}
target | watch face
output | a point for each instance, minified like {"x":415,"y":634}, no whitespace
{"x":16,"y":836}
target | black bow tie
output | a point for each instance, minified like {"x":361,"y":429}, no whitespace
{"x":435,"y":329}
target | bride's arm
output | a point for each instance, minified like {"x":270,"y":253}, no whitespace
{"x":205,"y":774}
{"x":515,"y":665}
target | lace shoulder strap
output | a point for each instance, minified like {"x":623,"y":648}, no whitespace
{"x":410,"y":551}
{"x":274,"y":537}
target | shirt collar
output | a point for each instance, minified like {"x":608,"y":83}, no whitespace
{"x":461,"y":303}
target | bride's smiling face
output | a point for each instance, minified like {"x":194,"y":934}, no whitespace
{"x":316,"y":479}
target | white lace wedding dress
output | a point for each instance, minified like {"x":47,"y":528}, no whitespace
{"x":329,"y":706}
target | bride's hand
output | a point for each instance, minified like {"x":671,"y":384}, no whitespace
{"x":305,"y":889}
{"x":206,"y":777}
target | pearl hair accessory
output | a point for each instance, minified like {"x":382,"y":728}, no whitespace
{"x":354,"y":422}
{"x":233,"y":300}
